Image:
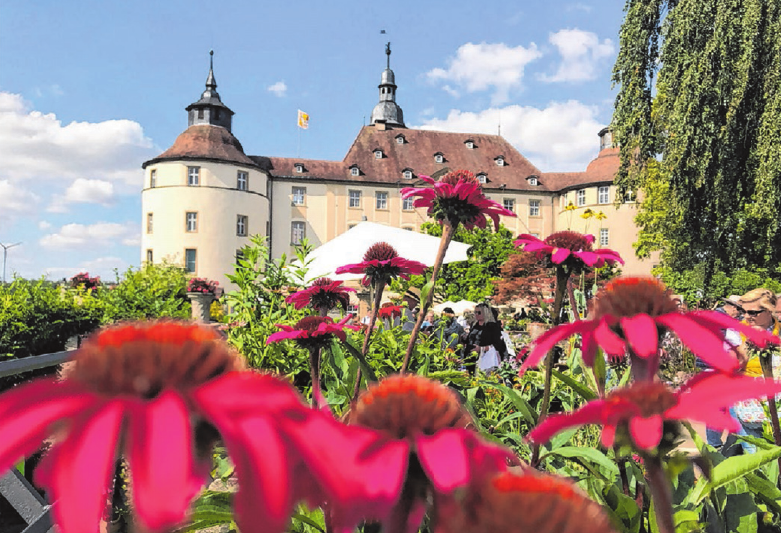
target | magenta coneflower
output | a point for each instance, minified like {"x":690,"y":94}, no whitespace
{"x":313,"y":331}
{"x":630,"y":314}
{"x":381,"y":263}
{"x":152,"y":390}
{"x":323,"y":294}
{"x":457,"y":198}
{"x":569,"y":248}
{"x":642,"y":407}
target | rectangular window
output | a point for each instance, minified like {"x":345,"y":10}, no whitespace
{"x":299,"y":195}
{"x":242,"y":180}
{"x":190,"y":262}
{"x":297,"y":232}
{"x":629,"y":197}
{"x":152,"y":178}
{"x":509,"y":204}
{"x":534,"y":208}
{"x":149,"y":256}
{"x":408,"y":204}
{"x":193,"y":176}
{"x":382,"y":200}
{"x":191,"y":222}
{"x":150,"y":219}
{"x":241,"y":225}
{"x":352,"y":309}
{"x":604,"y":195}
{"x":581,"y":197}
{"x":355,"y":198}
{"x":604,"y":238}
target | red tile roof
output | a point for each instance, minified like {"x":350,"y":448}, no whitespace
{"x":205,"y":142}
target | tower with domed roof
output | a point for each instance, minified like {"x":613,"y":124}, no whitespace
{"x":387,"y":111}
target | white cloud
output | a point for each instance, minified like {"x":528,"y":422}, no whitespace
{"x":44,"y":225}
{"x":484,"y":66}
{"x":561,"y":137}
{"x":84,"y":191}
{"x":101,"y":266}
{"x":581,"y":55}
{"x":37,"y":146}
{"x":278,"y":89}
{"x":15,"y":201}
{"x":94,"y":236}
{"x":578,"y":6}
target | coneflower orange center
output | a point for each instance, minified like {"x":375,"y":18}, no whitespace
{"x":144,"y":358}
{"x":322,"y":282}
{"x":571,"y":240}
{"x":311,"y":323}
{"x":381,"y":251}
{"x":459,"y":176}
{"x":404,"y":406}
{"x":651,"y":398}
{"x":630,"y":296}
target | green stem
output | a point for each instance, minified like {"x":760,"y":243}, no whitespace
{"x":378,"y":290}
{"x":766,"y":362}
{"x":660,"y":493}
{"x":314,"y":370}
{"x":447,"y":235}
{"x":562,"y":277}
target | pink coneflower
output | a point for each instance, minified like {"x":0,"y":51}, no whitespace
{"x":154,"y":391}
{"x":520,"y":503}
{"x":445,"y":451}
{"x":324,"y":293}
{"x":381,"y":263}
{"x":569,"y":248}
{"x":631,"y":313}
{"x":642,"y":407}
{"x":457,"y":198}
{"x":389,"y":311}
{"x":313,"y":331}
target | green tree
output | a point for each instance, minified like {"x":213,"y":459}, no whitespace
{"x":473,"y":279}
{"x":698,"y":119}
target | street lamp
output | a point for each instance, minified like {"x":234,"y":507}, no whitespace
{"x":5,"y":254}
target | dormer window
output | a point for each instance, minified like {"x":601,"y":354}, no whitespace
{"x":470,"y":144}
{"x":533,"y":181}
{"x":355,"y":171}
{"x":439,"y":157}
{"x":378,"y":154}
{"x":400,"y":139}
{"x":482,"y":178}
{"x":407,"y":173}
{"x":299,"y":168}
{"x":499,"y":161}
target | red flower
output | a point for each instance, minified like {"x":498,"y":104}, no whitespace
{"x":445,"y":451}
{"x":513,"y":503}
{"x":154,"y":390}
{"x":631,"y":313}
{"x":642,"y":407}
{"x":389,"y":311}
{"x":457,"y":198}
{"x":381,"y":263}
{"x":569,"y":245}
{"x":313,"y":331}
{"x":323,"y":294}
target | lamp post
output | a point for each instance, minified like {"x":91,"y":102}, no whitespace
{"x":5,"y":254}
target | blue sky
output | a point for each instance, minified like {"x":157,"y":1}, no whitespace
{"x":91,"y":89}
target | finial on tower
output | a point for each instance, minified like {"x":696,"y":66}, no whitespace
{"x":211,"y":83}
{"x":388,"y":53}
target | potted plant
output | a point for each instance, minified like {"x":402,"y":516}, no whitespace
{"x":201,"y":293}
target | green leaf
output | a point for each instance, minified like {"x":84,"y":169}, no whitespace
{"x":308,"y":521}
{"x":583,"y":391}
{"x":732,"y":469}
{"x":586,"y":455}
{"x":765,"y":491}
{"x":518,"y":402}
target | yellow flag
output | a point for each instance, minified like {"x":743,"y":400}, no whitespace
{"x":303,"y":120}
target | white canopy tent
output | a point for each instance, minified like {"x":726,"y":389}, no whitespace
{"x":349,"y":247}
{"x":458,"y":307}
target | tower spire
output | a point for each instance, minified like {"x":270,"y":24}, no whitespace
{"x":388,"y":53}
{"x":209,"y":109}
{"x":387,"y":110}
{"x":211,"y":83}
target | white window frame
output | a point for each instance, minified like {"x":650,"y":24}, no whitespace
{"x":580,"y":198}
{"x":149,"y":255}
{"x":470,"y":145}
{"x":242,"y":225}
{"x":482,"y":178}
{"x":355,"y":171}
{"x":407,"y":174}
{"x":408,"y":204}
{"x":630,"y":197}
{"x":354,"y":198}
{"x":150,"y":223}
{"x":297,"y":232}
{"x":603,"y":195}
{"x":242,"y":180}
{"x":534,"y":208}
{"x":500,"y":161}
{"x":509,"y":204}
{"x":604,"y":237}
{"x":298,"y":195}
{"x":352,"y":309}
{"x":381,"y":200}
{"x":400,"y":139}
{"x":193,"y":176}
{"x":194,"y":261}
{"x":299,"y":168}
{"x":439,"y":158}
{"x":378,"y":154}
{"x":153,"y":178}
{"x":533,"y":182}
{"x":191,"y":222}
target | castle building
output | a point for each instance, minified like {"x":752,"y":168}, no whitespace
{"x":204,"y":196}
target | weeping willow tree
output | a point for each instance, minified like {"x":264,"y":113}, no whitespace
{"x":698,"y":119}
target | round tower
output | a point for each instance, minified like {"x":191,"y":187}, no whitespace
{"x":203,"y":197}
{"x":387,"y":111}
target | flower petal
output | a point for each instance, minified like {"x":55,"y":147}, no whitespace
{"x":715,"y":320}
{"x":641,"y":333}
{"x":608,"y":436}
{"x":161,"y":458}
{"x":245,"y":393}
{"x":715,"y":391}
{"x":550,"y":338}
{"x":444,"y":458}
{"x":646,"y":432}
{"x":607,"y":338}
{"x":560,"y":255}
{"x":701,"y":340}
{"x":28,"y":411}
{"x":591,"y":413}
{"x":78,"y":470}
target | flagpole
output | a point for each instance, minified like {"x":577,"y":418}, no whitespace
{"x":299,"y":142}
